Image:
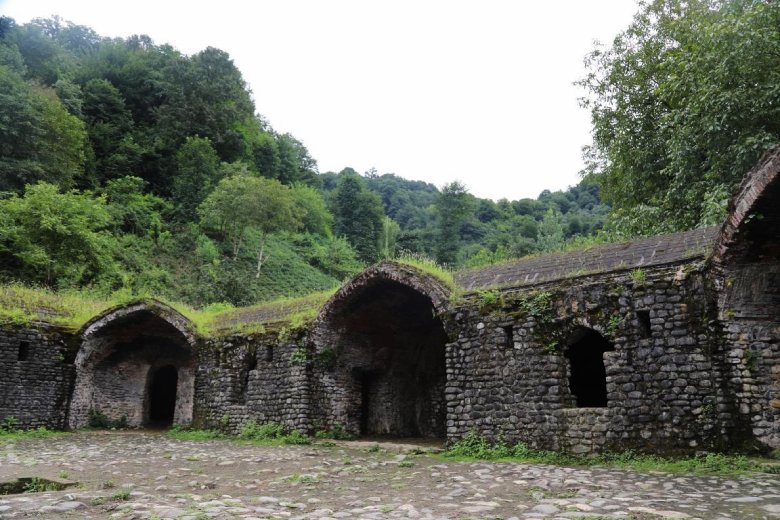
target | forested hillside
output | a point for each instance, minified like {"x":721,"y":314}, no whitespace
{"x":125,"y":164}
{"x":128,"y":166}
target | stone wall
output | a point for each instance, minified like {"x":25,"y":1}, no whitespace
{"x":746,"y":271}
{"x":257,"y":377}
{"x":664,"y":374}
{"x":36,"y":375}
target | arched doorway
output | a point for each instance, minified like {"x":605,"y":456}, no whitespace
{"x":587,"y":374}
{"x":136,"y":366}
{"x":389,"y":371}
{"x":161,"y":395}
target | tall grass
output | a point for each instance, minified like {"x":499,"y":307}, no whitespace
{"x":22,"y":304}
{"x":428,"y":266}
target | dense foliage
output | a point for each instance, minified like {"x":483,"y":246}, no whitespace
{"x":126,"y":165}
{"x":683,"y":103}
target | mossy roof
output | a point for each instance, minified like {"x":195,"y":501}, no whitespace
{"x":639,"y":253}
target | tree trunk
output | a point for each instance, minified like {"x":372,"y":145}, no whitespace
{"x":260,"y":256}
{"x":237,"y":245}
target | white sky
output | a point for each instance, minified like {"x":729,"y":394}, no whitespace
{"x":435,"y":90}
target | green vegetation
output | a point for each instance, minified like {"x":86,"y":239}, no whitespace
{"x":337,"y":432}
{"x":98,"y":419}
{"x":271,"y":433}
{"x":38,"y":485}
{"x":131,"y":170}
{"x":476,"y":447}
{"x":683,"y":103}
{"x":639,"y":277}
{"x":429,"y":267}
{"x":72,"y":308}
{"x":10,"y":432}
{"x":121,"y":495}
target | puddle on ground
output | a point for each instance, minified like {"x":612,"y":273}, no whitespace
{"x":34,"y":485}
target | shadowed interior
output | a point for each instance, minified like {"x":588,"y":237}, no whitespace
{"x":587,"y":374}
{"x":391,"y":361}
{"x":135,"y":369}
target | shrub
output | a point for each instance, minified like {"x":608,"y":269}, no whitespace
{"x":338,"y":432}
{"x":261,"y":432}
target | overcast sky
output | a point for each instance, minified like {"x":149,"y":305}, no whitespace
{"x":478,"y":91}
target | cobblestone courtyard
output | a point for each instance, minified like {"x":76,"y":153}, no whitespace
{"x":149,"y":475}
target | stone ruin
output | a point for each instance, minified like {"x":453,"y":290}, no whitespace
{"x":666,"y":344}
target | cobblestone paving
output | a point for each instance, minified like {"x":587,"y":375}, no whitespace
{"x":143,"y":475}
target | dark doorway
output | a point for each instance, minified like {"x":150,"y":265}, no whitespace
{"x":587,"y":374}
{"x":162,"y":396}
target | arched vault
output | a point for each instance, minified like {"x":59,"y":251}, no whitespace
{"x":121,"y":351}
{"x":389,"y":374}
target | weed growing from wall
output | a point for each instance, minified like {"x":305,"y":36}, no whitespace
{"x":639,"y":277}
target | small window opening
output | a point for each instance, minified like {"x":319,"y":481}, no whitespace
{"x":24,"y":351}
{"x":216,"y":357}
{"x":587,"y":374}
{"x":644,"y":323}
{"x":509,"y":336}
{"x":269,"y":353}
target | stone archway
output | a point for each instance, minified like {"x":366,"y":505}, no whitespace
{"x":389,"y":373}
{"x":136,"y":365}
{"x":746,"y":267}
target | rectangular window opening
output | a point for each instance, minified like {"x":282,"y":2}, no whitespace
{"x":509,"y":336}
{"x":269,"y":353}
{"x":24,"y":351}
{"x":644,"y":323}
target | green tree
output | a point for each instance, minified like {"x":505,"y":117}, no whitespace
{"x":56,"y":238}
{"x":197,"y":173}
{"x":358,"y":215}
{"x":109,"y":124}
{"x":551,"y":231}
{"x":453,"y":205}
{"x":316,"y":217}
{"x":683,"y":103}
{"x":42,"y":141}
{"x":133,"y":210}
{"x":295,"y":163}
{"x":241,"y":205}
{"x":388,"y":238}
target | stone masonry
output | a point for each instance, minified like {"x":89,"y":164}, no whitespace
{"x":666,"y":344}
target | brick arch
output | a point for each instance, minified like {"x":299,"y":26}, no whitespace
{"x":121,"y":350}
{"x":385,"y":334}
{"x":753,"y":212}
{"x":165,"y":312}
{"x":403,"y":274}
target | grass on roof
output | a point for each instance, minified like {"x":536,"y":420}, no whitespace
{"x":70,"y":309}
